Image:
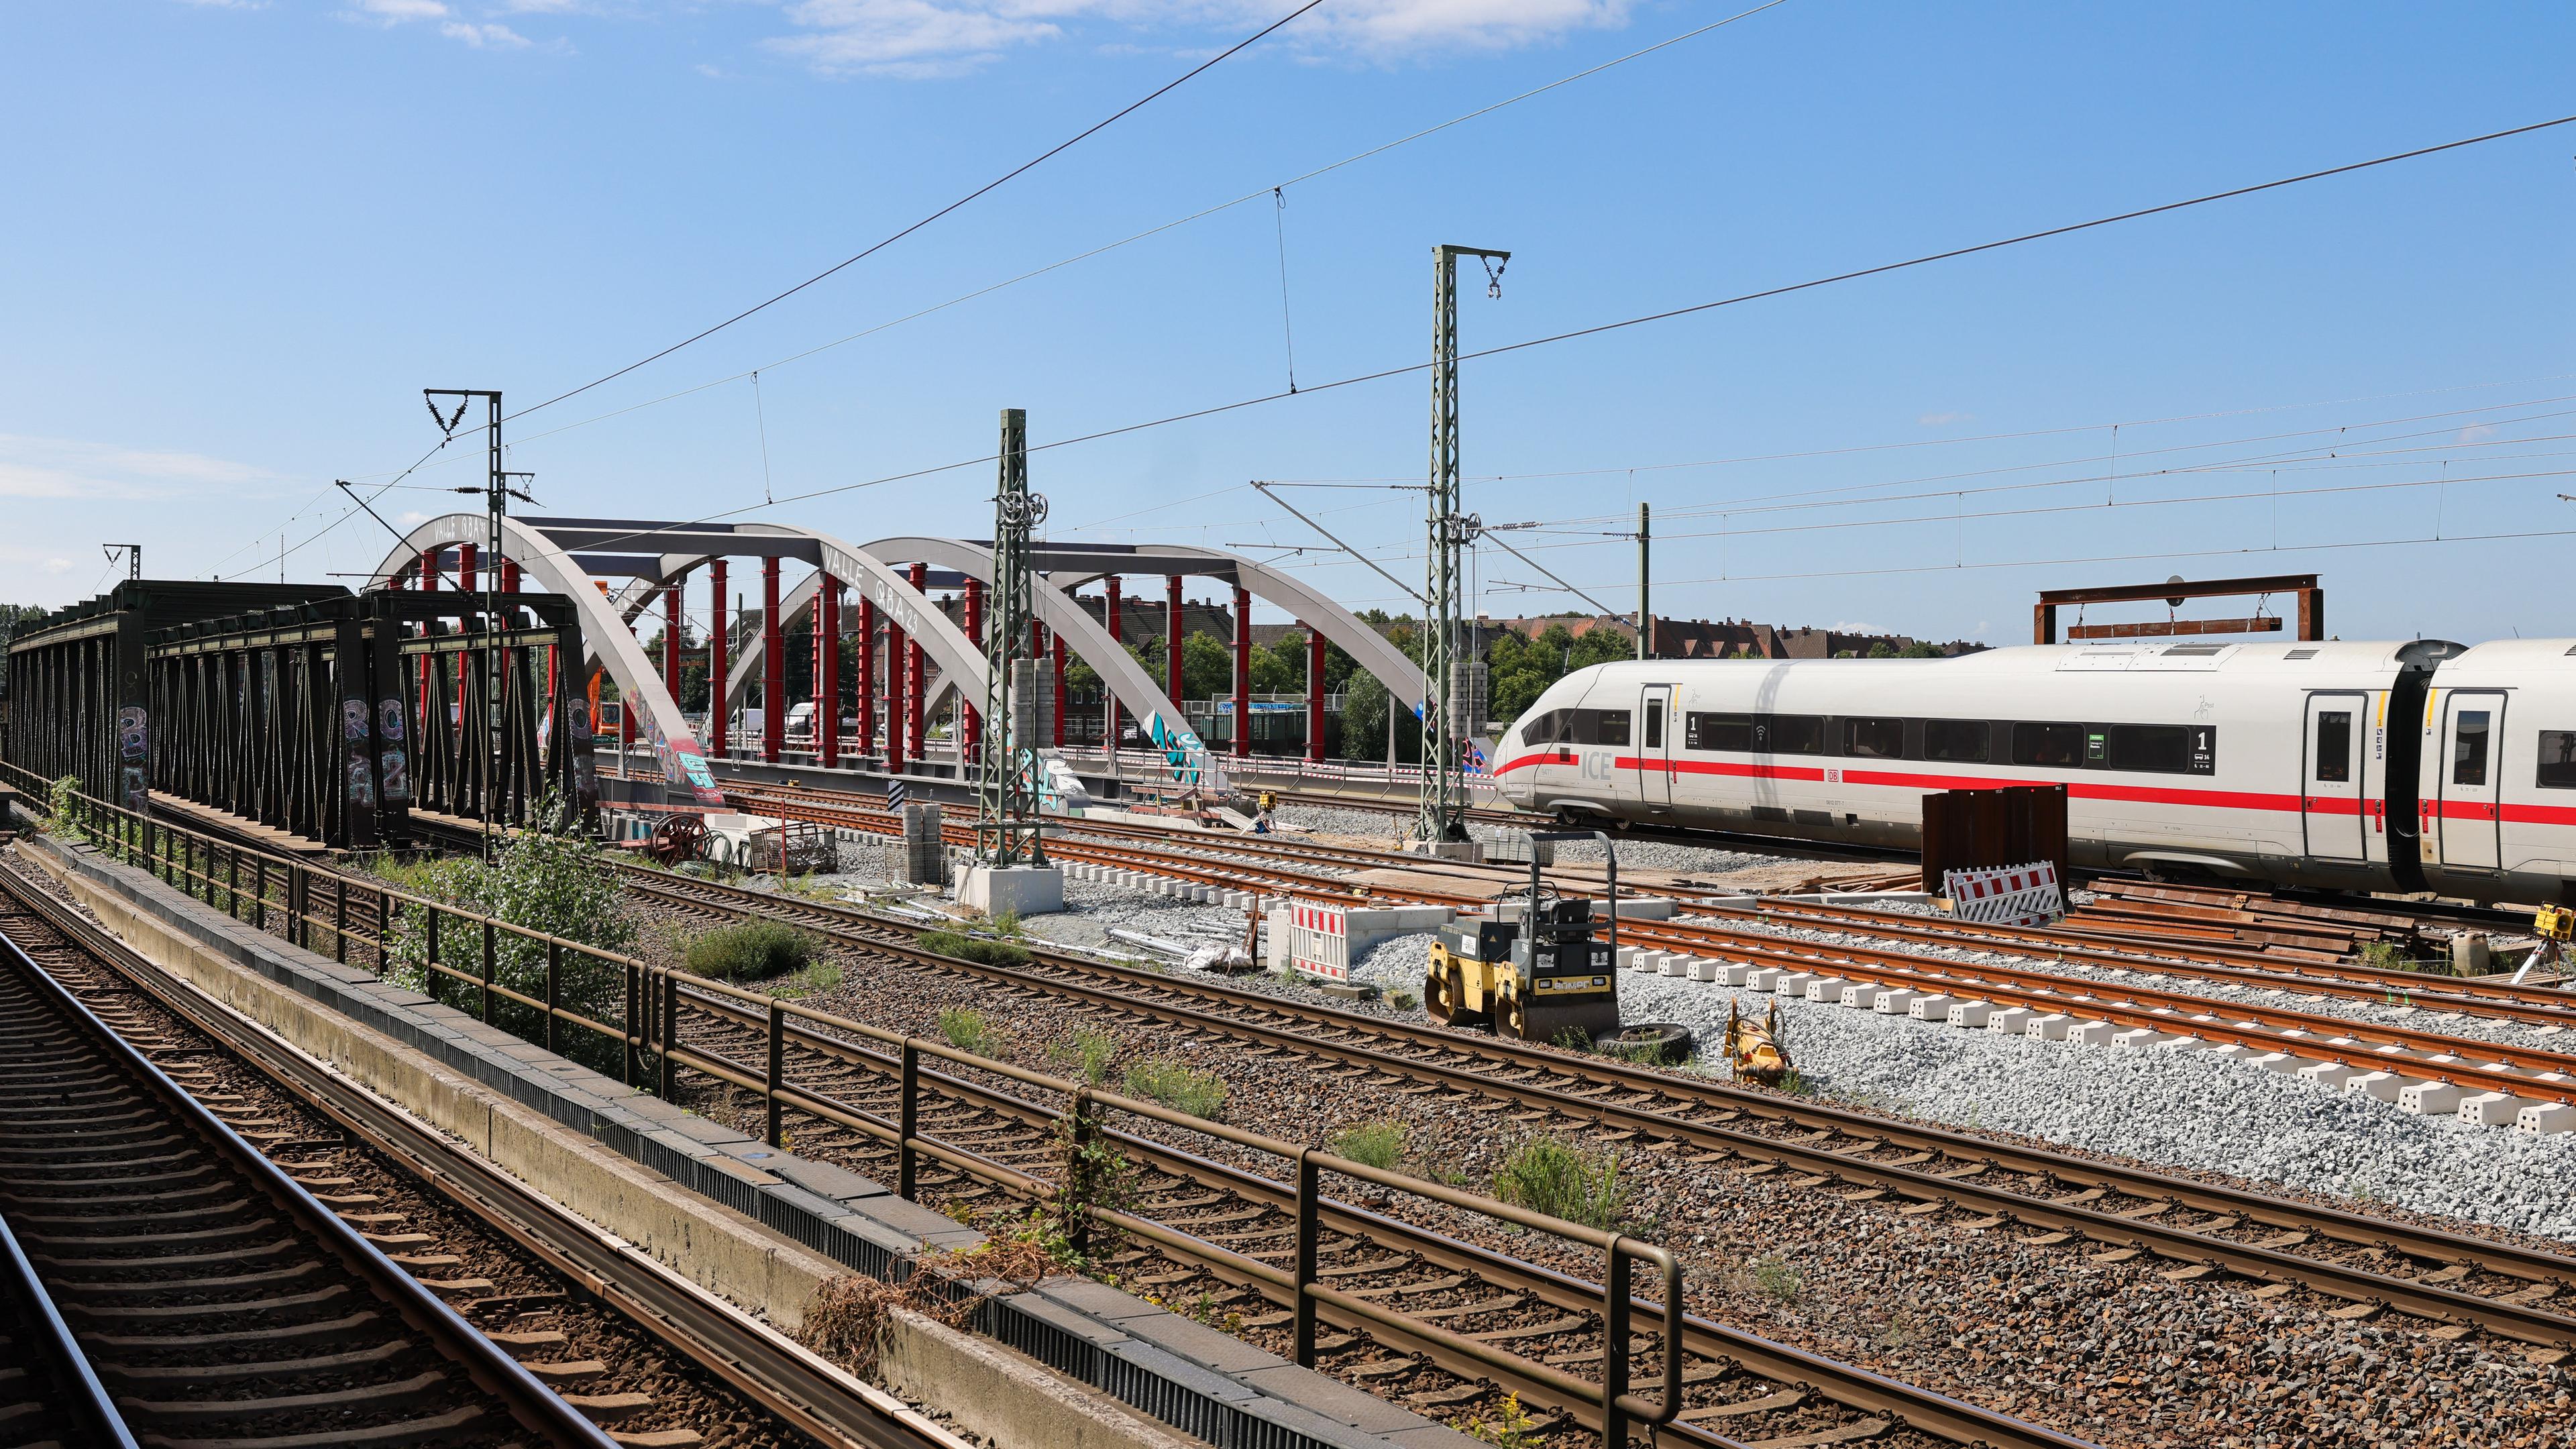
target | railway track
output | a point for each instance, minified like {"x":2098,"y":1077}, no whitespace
{"x":2205,"y":1229}
{"x":210,"y":1292}
{"x":592,"y":1329}
{"x":1749,"y":935}
{"x":1223,"y":1220}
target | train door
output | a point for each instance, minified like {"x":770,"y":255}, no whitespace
{"x":1655,"y":746}
{"x":2330,"y":793}
{"x":2472,"y":768}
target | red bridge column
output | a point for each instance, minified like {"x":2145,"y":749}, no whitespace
{"x":1242,"y":670}
{"x":827,"y":681}
{"x":719,"y":644}
{"x":673,"y":618}
{"x":465,"y":583}
{"x":773,"y":664}
{"x":1109,"y":697}
{"x":1314,"y":694}
{"x":867,"y":737}
{"x":970,"y":718}
{"x":896,"y":652}
{"x":1173,"y":626}
{"x":916,"y":672}
{"x":1059,"y":652}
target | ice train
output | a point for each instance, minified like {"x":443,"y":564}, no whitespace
{"x":2421,"y":765}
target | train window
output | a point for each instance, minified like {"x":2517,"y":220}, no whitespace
{"x":1609,"y":726}
{"x":2557,"y":760}
{"x":1655,"y":728}
{"x":1960,"y":741}
{"x":1875,"y":739}
{"x":1717,"y":732}
{"x":1541,"y":730}
{"x":2469,"y":748}
{"x":2163,"y":748}
{"x":2334,"y":745}
{"x":2048,"y":744}
{"x":1797,"y":734}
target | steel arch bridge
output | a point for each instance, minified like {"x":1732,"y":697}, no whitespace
{"x":616,"y":570}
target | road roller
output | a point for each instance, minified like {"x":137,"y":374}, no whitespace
{"x":1539,"y":978}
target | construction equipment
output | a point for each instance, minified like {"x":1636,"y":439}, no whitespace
{"x":1753,"y":1048}
{"x":678,"y":838}
{"x":1539,"y":978}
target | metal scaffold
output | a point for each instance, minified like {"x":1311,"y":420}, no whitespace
{"x":1006,"y":797}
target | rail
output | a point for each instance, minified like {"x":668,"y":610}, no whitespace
{"x":306,"y":903}
{"x":86,"y":1400}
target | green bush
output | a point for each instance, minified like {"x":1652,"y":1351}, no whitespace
{"x":1545,"y":1175}
{"x":821,"y":976}
{"x":751,"y":951}
{"x":1377,"y":1144}
{"x":63,"y":806}
{"x":1177,"y":1085}
{"x":557,"y":885}
{"x":974,"y":948}
{"x":966,"y":1030}
{"x":1086,"y":1054}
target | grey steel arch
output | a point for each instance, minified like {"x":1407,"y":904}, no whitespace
{"x":1071,"y":565}
{"x":605,"y":635}
{"x":1157,"y":715}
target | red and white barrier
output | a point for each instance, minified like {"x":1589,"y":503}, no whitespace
{"x":1319,"y":940}
{"x":2013,"y":895}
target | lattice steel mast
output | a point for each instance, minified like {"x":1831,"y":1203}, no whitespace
{"x":1444,"y":726}
{"x":1006,"y":799}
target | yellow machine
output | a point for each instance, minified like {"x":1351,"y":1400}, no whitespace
{"x":1533,"y":984}
{"x":1753,"y":1048}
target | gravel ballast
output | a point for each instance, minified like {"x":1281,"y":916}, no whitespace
{"x":2181,"y":1108}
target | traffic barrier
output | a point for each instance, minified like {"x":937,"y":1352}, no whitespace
{"x":2020,"y":895}
{"x":1319,"y":940}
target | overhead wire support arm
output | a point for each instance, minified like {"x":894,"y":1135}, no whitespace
{"x":1410,"y":592}
{"x":1491,"y":535}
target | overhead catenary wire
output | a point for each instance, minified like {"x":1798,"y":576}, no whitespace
{"x":997,"y":182}
{"x":1668,"y":314}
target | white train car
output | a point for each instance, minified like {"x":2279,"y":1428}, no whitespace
{"x":2356,"y":766}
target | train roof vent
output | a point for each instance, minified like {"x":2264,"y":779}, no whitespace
{"x":2192,"y":651}
{"x":2311,"y":654}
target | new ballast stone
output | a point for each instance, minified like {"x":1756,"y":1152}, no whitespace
{"x":2186,"y":1109}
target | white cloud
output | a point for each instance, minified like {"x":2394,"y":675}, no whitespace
{"x":395,"y":12}
{"x":1943,"y":420}
{"x":927,"y":38}
{"x":37,"y":467}
{"x":64,"y":566}
{"x":2476,"y":433}
{"x":499,"y":37}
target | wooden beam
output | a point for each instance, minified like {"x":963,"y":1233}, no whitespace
{"x":2162,"y":628}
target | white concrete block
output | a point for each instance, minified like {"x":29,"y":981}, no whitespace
{"x":1827,"y":989}
{"x":1863,"y":995}
{"x":2139,"y":1038}
{"x":1628,"y":957}
{"x":1971,"y":1014}
{"x":1704,"y":969}
{"x":2329,"y":1075}
{"x":2011,"y":1021}
{"x":2430,"y":1099}
{"x":2092,"y":1033}
{"x":1766,"y":979}
{"x":1894,"y":1002}
{"x":2491,"y":1109}
{"x":1793,"y":983}
{"x":2051,"y":1027}
{"x":2183,"y":1043}
{"x":1677,"y":963}
{"x":2542,"y":1118}
{"x":2232,"y":1052}
{"x":1935,"y":1007}
{"x":2383,"y":1086}
{"x":2281,"y":1062}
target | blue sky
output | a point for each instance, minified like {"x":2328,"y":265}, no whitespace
{"x":243,"y":236}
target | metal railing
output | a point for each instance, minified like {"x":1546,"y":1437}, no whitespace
{"x":334,"y":913}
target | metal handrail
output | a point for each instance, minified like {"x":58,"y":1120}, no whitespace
{"x":650,"y":1027}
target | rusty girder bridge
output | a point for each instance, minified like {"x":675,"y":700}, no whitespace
{"x":310,"y":710}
